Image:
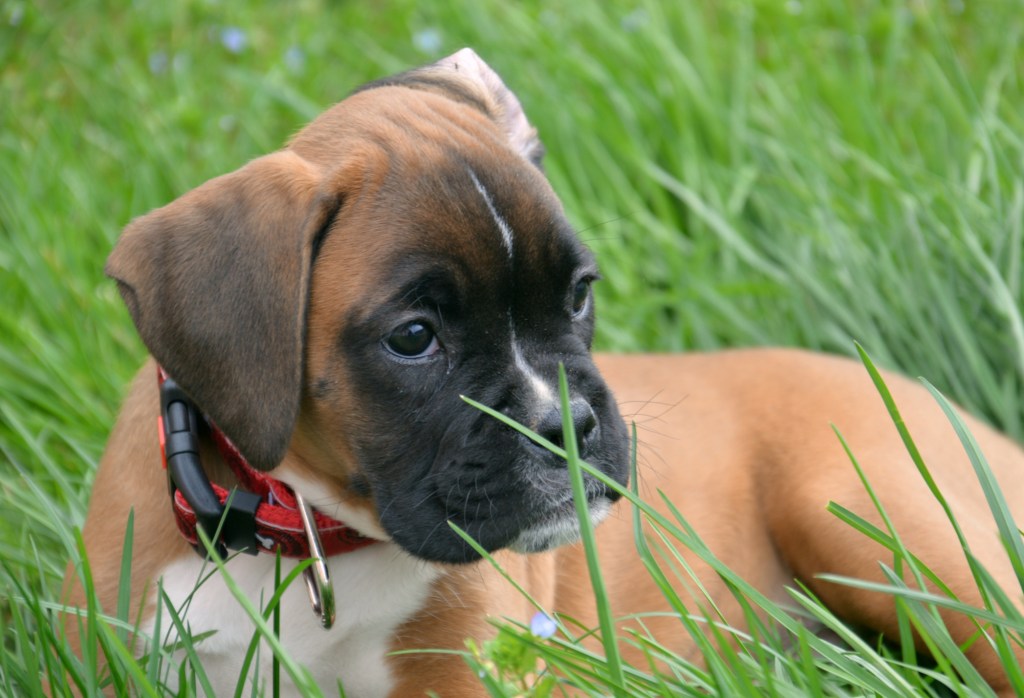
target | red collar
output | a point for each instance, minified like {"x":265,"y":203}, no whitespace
{"x":263,"y":516}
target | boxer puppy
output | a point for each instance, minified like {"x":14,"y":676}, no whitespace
{"x":317,"y":316}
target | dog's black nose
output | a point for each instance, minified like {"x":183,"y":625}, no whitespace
{"x":583,"y":421}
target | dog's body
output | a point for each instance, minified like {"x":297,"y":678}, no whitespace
{"x":327,"y":306}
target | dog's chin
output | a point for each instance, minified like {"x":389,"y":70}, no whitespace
{"x":558,"y":526}
{"x":558,"y":530}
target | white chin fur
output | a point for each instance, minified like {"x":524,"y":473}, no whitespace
{"x":557,"y":532}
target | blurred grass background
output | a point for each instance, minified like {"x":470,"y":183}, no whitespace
{"x":749,"y":172}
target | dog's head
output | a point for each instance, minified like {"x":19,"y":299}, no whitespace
{"x":328,"y":305}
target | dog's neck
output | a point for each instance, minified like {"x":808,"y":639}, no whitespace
{"x":258,"y":514}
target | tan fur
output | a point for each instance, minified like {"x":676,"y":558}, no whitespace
{"x":741,"y":441}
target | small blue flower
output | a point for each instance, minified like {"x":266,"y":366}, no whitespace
{"x":428,"y":41}
{"x":295,"y":59}
{"x":636,"y":20}
{"x":542,"y":625}
{"x":17,"y":14}
{"x":158,"y":62}
{"x":233,"y":39}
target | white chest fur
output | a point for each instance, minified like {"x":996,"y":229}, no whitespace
{"x":376,"y":588}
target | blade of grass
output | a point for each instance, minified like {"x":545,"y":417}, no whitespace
{"x":271,"y":611}
{"x":913,"y":451}
{"x":299,"y":675}
{"x":1009,"y":532}
{"x":489,"y":559}
{"x":604,"y":614}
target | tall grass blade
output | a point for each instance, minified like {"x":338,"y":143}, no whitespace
{"x":609,"y":637}
{"x":299,"y":675}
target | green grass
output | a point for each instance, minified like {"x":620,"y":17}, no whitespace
{"x":748,"y":172}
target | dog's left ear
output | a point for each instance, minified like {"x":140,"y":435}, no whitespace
{"x":217,"y":284}
{"x":501,"y":103}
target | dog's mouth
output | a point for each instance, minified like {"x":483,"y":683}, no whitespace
{"x":560,"y":527}
{"x":527,"y":512}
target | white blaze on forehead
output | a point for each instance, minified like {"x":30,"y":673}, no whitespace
{"x":503,"y":226}
{"x":543,"y":392}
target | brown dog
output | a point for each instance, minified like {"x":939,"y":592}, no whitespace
{"x":326,"y":306}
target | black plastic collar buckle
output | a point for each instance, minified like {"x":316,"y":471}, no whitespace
{"x":236,"y":521}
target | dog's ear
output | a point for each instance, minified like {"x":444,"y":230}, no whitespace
{"x":463,"y":76}
{"x":503,"y":105}
{"x":217,"y":284}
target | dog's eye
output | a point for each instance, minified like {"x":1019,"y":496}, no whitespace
{"x":413,"y":340}
{"x":580,"y":297}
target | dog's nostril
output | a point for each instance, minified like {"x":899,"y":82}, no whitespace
{"x":550,"y":427}
{"x":583,"y":421}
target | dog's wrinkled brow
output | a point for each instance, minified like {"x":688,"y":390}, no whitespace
{"x":438,"y":284}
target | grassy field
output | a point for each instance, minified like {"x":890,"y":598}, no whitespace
{"x":804,"y":173}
